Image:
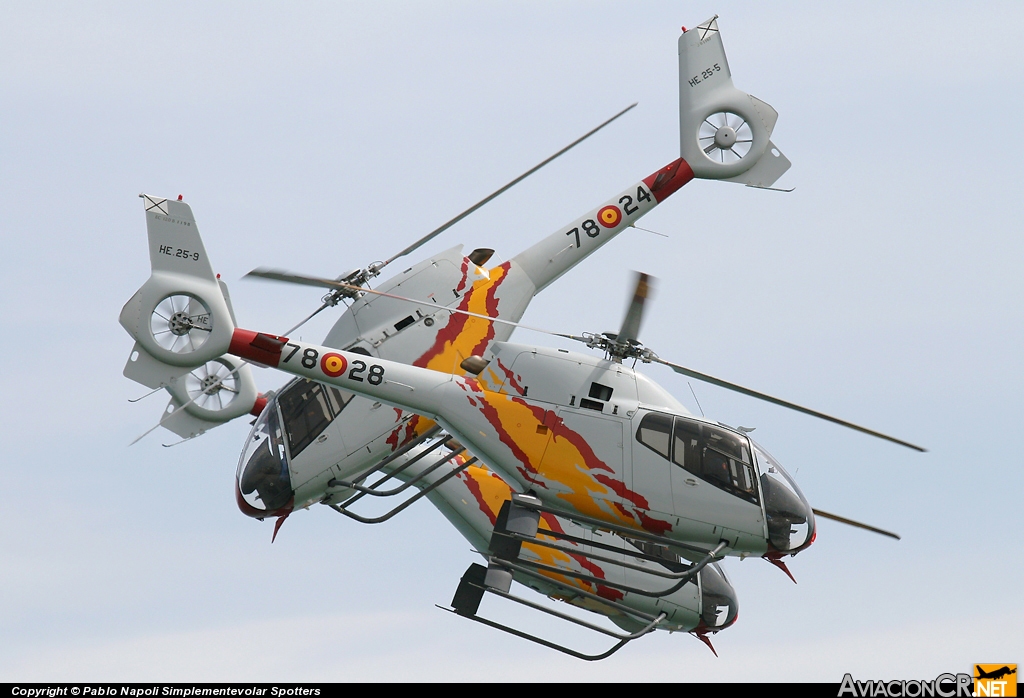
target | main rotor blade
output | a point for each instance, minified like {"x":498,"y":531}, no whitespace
{"x":783,"y":403}
{"x":634,"y":314}
{"x":437,"y":231}
{"x":290,"y":278}
{"x":342,"y":286}
{"x":851,"y":522}
{"x":323,"y":306}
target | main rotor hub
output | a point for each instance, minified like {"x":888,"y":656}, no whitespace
{"x":615,"y":350}
{"x":180,"y":324}
{"x":725,"y":137}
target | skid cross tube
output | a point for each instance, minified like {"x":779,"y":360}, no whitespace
{"x":340,"y":508}
{"x":601,"y":546}
{"x":682,"y":574}
{"x":529,"y":502}
{"x":406,"y":485}
{"x":374,"y":492}
{"x":622,"y":639}
{"x":683,"y":577}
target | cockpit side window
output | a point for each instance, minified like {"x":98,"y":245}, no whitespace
{"x":654,"y":432}
{"x":307,"y":408}
{"x":714,"y":455}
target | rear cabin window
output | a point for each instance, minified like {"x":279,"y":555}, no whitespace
{"x":654,"y":432}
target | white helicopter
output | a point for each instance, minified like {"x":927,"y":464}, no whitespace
{"x":573,"y":438}
{"x":332,"y":439}
{"x":320,"y":438}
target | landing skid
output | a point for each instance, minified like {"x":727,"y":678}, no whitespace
{"x":517,"y":523}
{"x":495,"y":579}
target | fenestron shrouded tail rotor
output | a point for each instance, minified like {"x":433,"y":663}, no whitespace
{"x":212,"y":386}
{"x":724,"y":133}
{"x":180,"y":323}
{"x":725,"y":136}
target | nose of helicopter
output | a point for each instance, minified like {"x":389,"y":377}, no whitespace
{"x":719,"y":607}
{"x":789,"y":515}
{"x":262,"y":484}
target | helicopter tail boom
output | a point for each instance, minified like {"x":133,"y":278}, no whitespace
{"x":556,"y":254}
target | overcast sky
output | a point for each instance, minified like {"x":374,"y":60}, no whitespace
{"x":320,"y":137}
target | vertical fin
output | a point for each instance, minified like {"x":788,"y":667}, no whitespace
{"x":724,"y":133}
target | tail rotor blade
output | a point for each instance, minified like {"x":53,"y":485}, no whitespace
{"x":782,"y":403}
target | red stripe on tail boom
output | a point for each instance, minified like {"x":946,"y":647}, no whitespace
{"x":257,"y":347}
{"x":667,"y":181}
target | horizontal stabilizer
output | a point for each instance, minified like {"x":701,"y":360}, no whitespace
{"x":766,"y":171}
{"x":143,"y":368}
{"x":184,"y":424}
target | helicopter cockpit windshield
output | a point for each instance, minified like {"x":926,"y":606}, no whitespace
{"x":262,"y":475}
{"x":790,"y":519}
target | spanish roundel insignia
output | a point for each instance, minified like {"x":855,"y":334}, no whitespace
{"x":610,"y":216}
{"x":333,"y":364}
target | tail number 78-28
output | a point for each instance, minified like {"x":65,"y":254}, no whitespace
{"x":334,"y":365}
